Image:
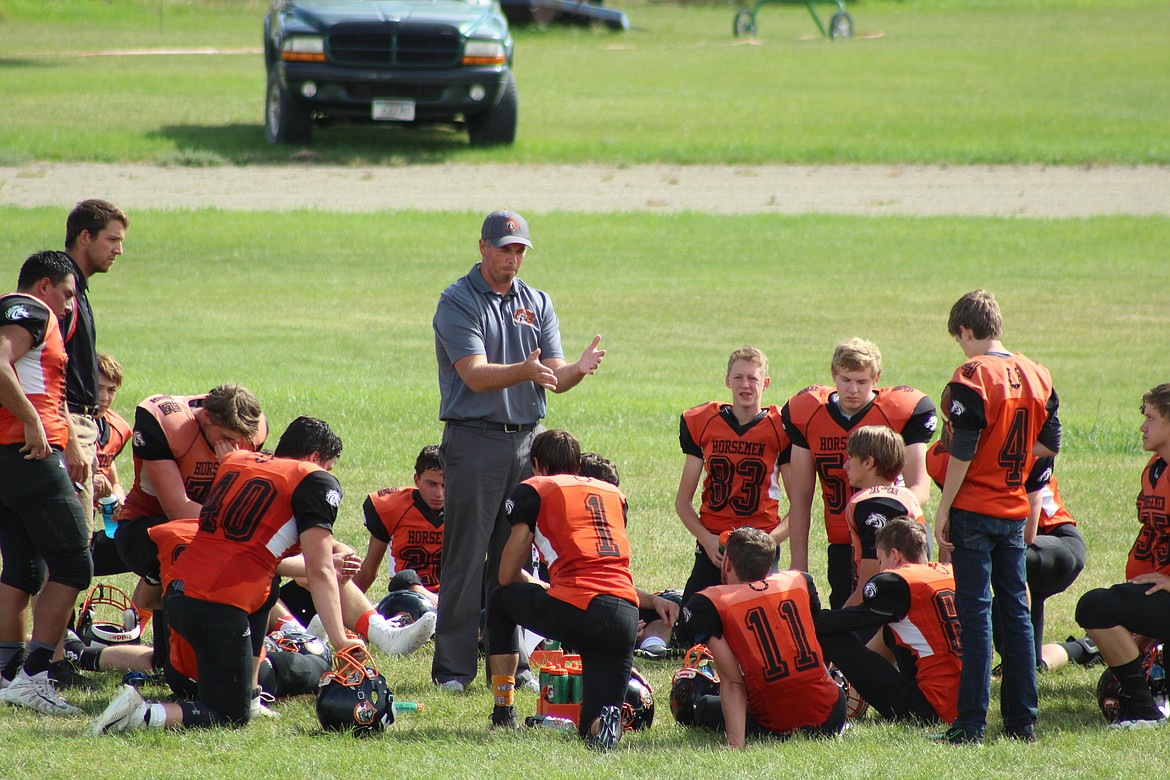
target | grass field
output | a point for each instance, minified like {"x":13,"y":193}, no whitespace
{"x":329,"y":315}
{"x":932,"y":81}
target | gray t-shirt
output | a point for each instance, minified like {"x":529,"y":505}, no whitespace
{"x":473,"y":319}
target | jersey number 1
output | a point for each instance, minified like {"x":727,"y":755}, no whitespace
{"x":775,"y":667}
{"x":606,"y":547}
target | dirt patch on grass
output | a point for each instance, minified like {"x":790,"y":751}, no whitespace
{"x":872,"y":190}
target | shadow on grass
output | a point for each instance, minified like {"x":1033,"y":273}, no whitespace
{"x":209,"y":145}
{"x":12,"y":63}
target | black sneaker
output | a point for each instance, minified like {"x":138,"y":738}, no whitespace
{"x":956,"y":735}
{"x":1092,"y":654}
{"x":1137,"y":715}
{"x":505,"y":718}
{"x":659,"y":653}
{"x":609,"y":730}
{"x":1021,"y":732}
{"x":65,"y":675}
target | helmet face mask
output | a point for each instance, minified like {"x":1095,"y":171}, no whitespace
{"x":295,"y":640}
{"x":119,"y":622}
{"x":696,"y":679}
{"x":354,"y":696}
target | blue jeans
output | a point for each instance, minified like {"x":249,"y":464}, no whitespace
{"x":989,"y":554}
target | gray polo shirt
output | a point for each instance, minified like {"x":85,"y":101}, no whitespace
{"x":473,"y":319}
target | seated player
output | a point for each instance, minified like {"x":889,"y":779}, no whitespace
{"x":818,"y":420}
{"x":742,"y":447}
{"x":1053,"y":561}
{"x":874,"y":457}
{"x":260,"y":509}
{"x":579,"y":525}
{"x":910,"y":670}
{"x":759,"y":627}
{"x":1141,"y":605}
{"x":113,"y":435}
{"x":409,"y":523}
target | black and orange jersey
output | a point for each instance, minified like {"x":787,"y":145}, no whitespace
{"x":253,"y":516}
{"x":741,"y":461}
{"x":40,"y":371}
{"x":1053,"y":512}
{"x":1008,"y":400}
{"x":113,"y":435}
{"x":768,"y":624}
{"x":920,"y":599}
{"x":165,"y":428}
{"x":412,"y":531}
{"x":1151,"y":549}
{"x":872,"y":508}
{"x":579,"y":526}
{"x":813,"y":421}
{"x":171,"y":538}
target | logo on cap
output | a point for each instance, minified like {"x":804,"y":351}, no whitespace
{"x":510,"y":225}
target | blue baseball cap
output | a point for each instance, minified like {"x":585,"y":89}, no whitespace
{"x":505,"y":227}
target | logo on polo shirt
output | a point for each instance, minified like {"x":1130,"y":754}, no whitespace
{"x":525,"y":317}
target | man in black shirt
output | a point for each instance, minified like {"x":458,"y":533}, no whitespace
{"x":94,"y":233}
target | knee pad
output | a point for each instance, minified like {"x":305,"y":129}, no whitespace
{"x":27,"y":575}
{"x":1093,"y":609}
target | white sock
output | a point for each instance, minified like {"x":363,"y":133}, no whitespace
{"x":653,"y":641}
{"x":156,"y":715}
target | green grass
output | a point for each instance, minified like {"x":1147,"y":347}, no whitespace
{"x":329,"y":314}
{"x":938,"y":81}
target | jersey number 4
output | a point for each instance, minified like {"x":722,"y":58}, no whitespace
{"x":240,"y":516}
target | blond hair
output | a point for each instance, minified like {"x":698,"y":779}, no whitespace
{"x":751,"y":355}
{"x":857,"y":355}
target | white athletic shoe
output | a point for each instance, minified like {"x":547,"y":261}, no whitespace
{"x":37,"y":692}
{"x":317,"y":629}
{"x":125,"y":712}
{"x":404,"y":640}
{"x":260,"y":709}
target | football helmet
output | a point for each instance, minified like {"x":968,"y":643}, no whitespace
{"x":354,"y":696}
{"x":119,"y":624}
{"x":638,"y":707}
{"x":295,"y":640}
{"x":1109,"y":688}
{"x":855,"y":706}
{"x":697,"y":678}
{"x":405,"y":602}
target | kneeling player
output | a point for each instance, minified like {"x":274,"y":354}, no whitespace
{"x":1142,"y":604}
{"x":579,"y":525}
{"x":760,"y":631}
{"x":915,"y":601}
{"x":261,"y":508}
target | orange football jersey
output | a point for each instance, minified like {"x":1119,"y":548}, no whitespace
{"x":412,"y":530}
{"x":1013,"y":393}
{"x":872,"y":508}
{"x":41,"y":371}
{"x":769,"y":627}
{"x":813,"y":421}
{"x":252,"y":518}
{"x":740,"y":486}
{"x":1151,"y":549}
{"x":580,"y":531}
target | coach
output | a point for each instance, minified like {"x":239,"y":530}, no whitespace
{"x":94,"y":232}
{"x":498,"y":346}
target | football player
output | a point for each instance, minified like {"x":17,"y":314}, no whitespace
{"x":409,"y":523}
{"x":874,"y":457}
{"x":579,"y":524}
{"x":43,"y":522}
{"x":818,"y":420}
{"x":915,"y":601}
{"x":759,"y":627}
{"x":742,"y":448}
{"x":113,"y":434}
{"x":1141,"y":605}
{"x":1003,"y":414}
{"x":261,"y":508}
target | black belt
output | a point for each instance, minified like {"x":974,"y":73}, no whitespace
{"x":487,"y":425}
{"x":91,"y":412}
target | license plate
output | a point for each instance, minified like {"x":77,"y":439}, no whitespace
{"x":393,"y":110}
